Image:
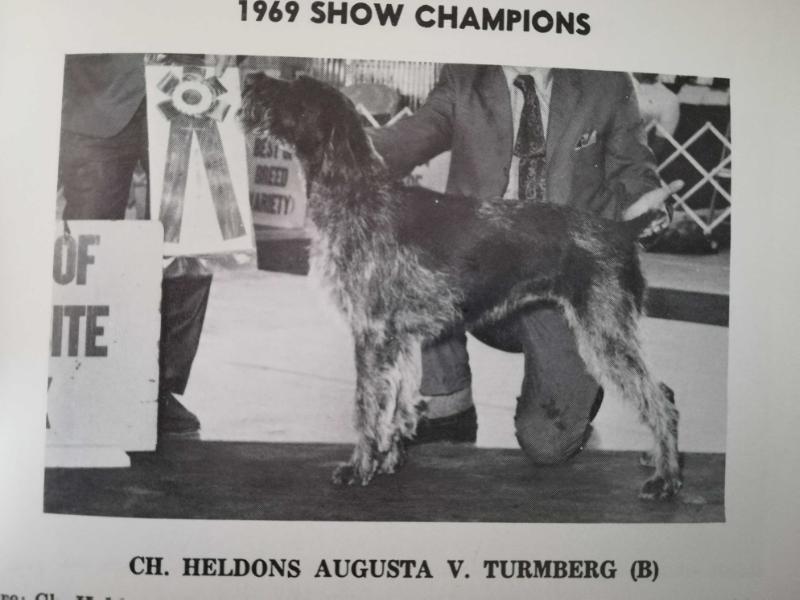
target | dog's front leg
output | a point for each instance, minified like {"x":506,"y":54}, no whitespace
{"x":378,"y":381}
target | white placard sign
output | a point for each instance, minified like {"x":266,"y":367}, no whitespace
{"x":277,"y":186}
{"x":103,"y":373}
{"x":198,"y":163}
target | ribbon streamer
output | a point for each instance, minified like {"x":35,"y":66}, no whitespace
{"x":195,"y":106}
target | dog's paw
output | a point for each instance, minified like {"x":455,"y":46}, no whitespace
{"x":344,"y":474}
{"x":393,"y":460}
{"x":660,"y":488}
{"x":350,"y":474}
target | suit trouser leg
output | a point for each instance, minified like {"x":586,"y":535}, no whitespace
{"x":446,"y":377}
{"x":558,"y":394}
{"x":183,"y":307}
{"x":96,"y":174}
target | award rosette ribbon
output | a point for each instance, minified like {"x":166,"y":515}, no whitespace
{"x":197,"y":112}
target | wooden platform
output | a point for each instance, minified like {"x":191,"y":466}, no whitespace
{"x":193,"y":479}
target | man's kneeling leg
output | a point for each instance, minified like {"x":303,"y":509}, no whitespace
{"x":559,"y":398}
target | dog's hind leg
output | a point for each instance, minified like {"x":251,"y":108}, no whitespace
{"x":609,"y":345}
{"x":381,"y":363}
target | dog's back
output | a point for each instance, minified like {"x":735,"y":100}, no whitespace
{"x":491,"y":248}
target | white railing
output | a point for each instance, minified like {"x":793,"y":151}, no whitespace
{"x":712,"y":176}
{"x":364,"y":111}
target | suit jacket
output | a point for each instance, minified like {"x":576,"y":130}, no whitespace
{"x":597,"y":155}
{"x":101,"y":92}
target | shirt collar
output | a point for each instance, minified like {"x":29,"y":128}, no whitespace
{"x":542,"y":76}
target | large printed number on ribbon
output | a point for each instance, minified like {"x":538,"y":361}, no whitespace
{"x":196,"y":105}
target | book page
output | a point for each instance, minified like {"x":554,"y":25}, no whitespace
{"x":435,"y":280}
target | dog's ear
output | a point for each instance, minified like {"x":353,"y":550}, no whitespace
{"x":346,"y":152}
{"x":339,"y":157}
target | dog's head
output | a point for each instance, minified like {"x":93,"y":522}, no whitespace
{"x":314,"y":118}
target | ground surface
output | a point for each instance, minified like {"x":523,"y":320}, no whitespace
{"x":441,"y":482}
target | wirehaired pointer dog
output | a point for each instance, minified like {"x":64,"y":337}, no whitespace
{"x":407,"y":264}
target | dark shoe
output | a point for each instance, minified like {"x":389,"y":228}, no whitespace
{"x":598,"y":402}
{"x":458,"y":428}
{"x":174,"y":417}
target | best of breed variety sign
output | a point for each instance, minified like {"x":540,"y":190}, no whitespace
{"x":277,"y":188}
{"x":198,"y":164}
{"x":103,"y":373}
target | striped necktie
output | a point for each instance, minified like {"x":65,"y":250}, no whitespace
{"x":530,"y":145}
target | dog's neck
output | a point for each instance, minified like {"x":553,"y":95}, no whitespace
{"x":361,"y":206}
{"x":348,"y":193}
{"x":353,"y":219}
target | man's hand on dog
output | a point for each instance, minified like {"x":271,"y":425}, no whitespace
{"x":654,"y":200}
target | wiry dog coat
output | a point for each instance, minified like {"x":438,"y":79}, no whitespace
{"x":408,"y":264}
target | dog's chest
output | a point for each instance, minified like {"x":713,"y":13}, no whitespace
{"x":343,"y":281}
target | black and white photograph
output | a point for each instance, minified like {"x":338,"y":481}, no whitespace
{"x":323,"y":289}
{"x":353,"y":299}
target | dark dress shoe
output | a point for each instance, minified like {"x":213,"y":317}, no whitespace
{"x":598,"y":402}
{"x":174,"y":417}
{"x":458,"y":428}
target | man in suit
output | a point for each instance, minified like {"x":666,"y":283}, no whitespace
{"x":568,"y":137}
{"x":103,"y":138}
